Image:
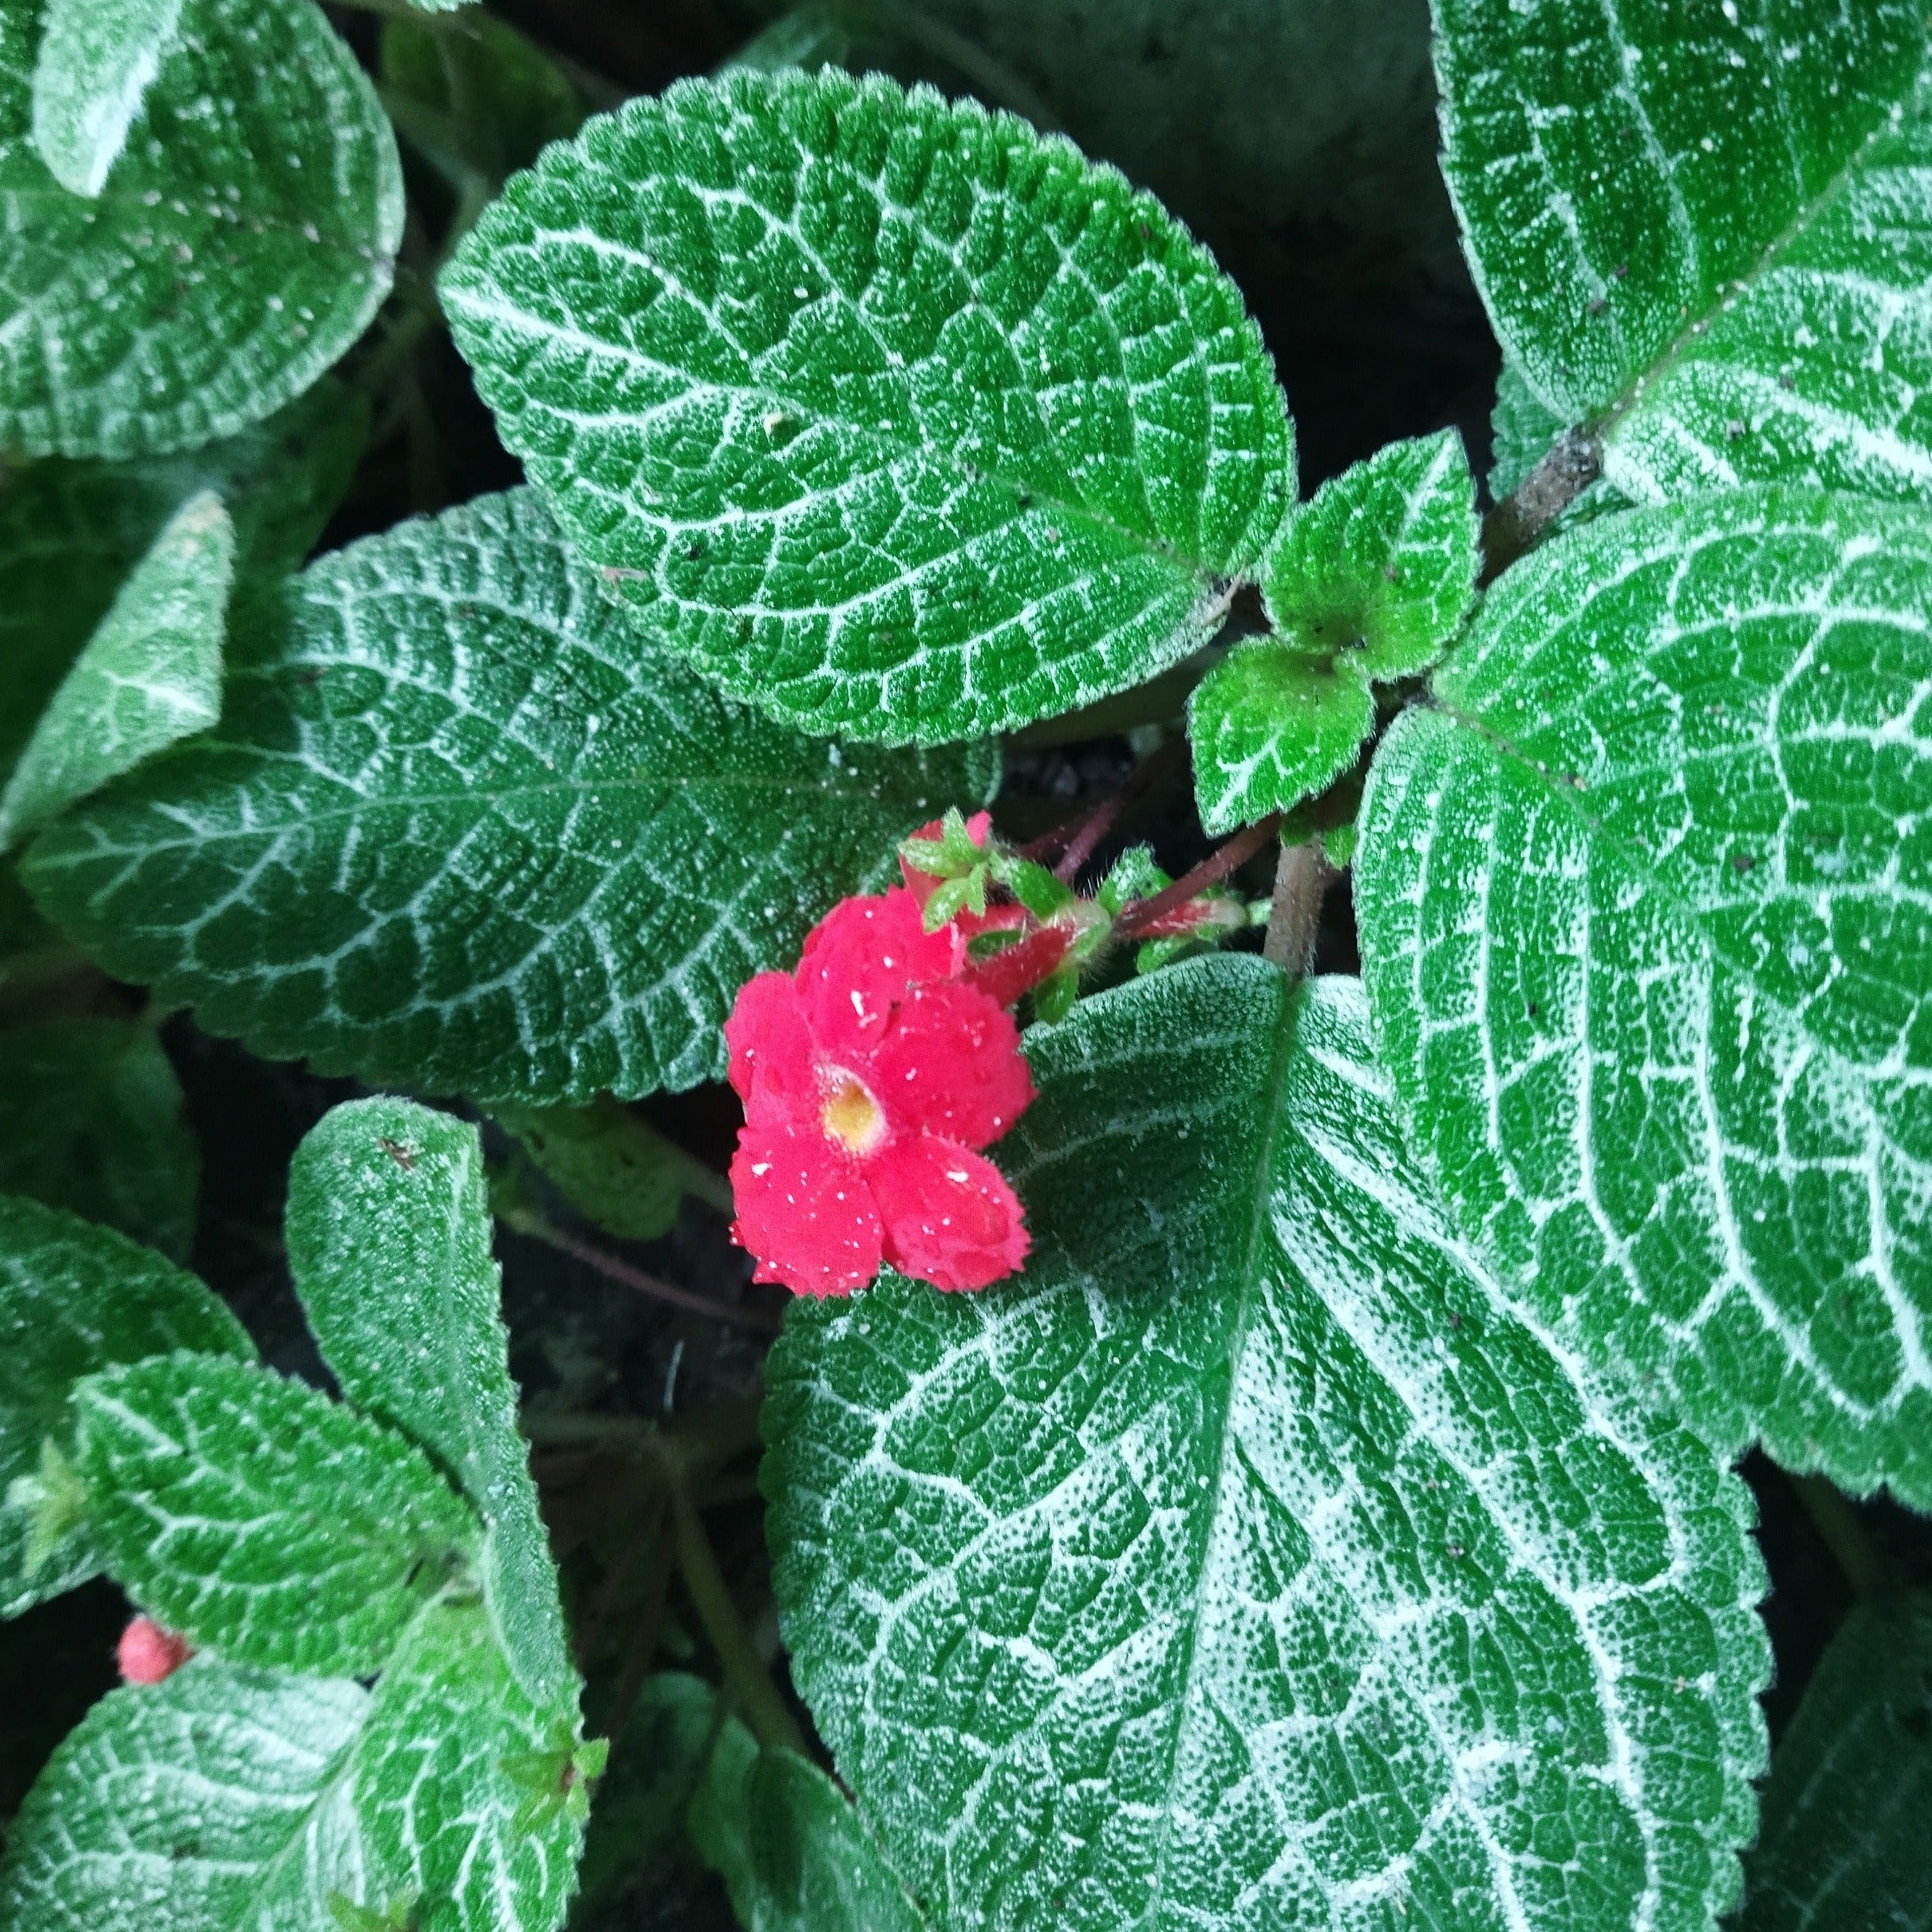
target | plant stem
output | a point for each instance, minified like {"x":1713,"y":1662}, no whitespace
{"x":527,"y":1221}
{"x":1211,"y":870}
{"x":746,"y":1682}
{"x":1512,"y":527}
{"x":1088,"y":833}
{"x":1841,"y":1532}
{"x":1302,"y":883}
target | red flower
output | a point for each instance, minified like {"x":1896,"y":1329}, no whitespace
{"x":147,"y":1653}
{"x":870,"y":1077}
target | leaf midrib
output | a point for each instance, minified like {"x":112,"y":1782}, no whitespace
{"x":1227,"y":1449}
{"x":1741,"y":288}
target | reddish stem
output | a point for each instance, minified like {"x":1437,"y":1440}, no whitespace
{"x":1135,"y":919}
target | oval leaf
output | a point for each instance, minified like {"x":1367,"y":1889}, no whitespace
{"x":903,"y":421}
{"x":1251,"y":1561}
{"x":461,"y":829}
{"x":1704,"y":231}
{"x":251,"y":236}
{"x":1646,"y":905}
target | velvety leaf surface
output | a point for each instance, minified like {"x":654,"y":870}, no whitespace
{"x":613,"y":1167}
{"x":93,"y":1122}
{"x":75,"y":1299}
{"x":149,"y":676}
{"x":218,"y":1801}
{"x":1646,"y":909}
{"x":388,"y":1232}
{"x":249,"y":237}
{"x":1269,"y":727}
{"x":903,"y":421}
{"x":258,"y":1518}
{"x":1366,"y":582}
{"x":1842,"y":1847}
{"x":1250,"y":1561}
{"x":1707,"y":229}
{"x":69,"y":533}
{"x":97,"y":58}
{"x":435,"y":1789}
{"x":460,"y":828}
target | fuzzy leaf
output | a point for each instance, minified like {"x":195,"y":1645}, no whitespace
{"x":249,"y":237}
{"x":1844,"y":1844}
{"x":149,"y":676}
{"x":1250,"y":1561}
{"x":1645,"y":905}
{"x":97,"y":58}
{"x":1704,"y":230}
{"x":75,"y":1299}
{"x":461,"y":829}
{"x":93,"y":1122}
{"x":258,"y":1518}
{"x":444,"y":1818}
{"x":218,"y":1801}
{"x":614,"y":1167}
{"x":1379,"y":566}
{"x":69,"y":533}
{"x":903,"y":421}
{"x":388,"y":1232}
{"x":1270,"y":727}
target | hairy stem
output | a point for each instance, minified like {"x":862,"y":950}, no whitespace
{"x":1216,"y":867}
{"x":1301,"y":882}
{"x":1512,"y":527}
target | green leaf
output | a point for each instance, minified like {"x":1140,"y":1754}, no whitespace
{"x":149,"y":676}
{"x":901,"y":420}
{"x":93,"y":1122}
{"x":1366,"y":583}
{"x":97,"y":58}
{"x":1844,"y":1844}
{"x":388,"y":1232}
{"x":442,"y":1815}
{"x":75,"y":1299}
{"x":1702,"y":233}
{"x":614,"y":1167}
{"x":1269,"y":727}
{"x":1645,"y":902}
{"x":69,"y":533}
{"x":461,"y":829}
{"x":258,"y":1518}
{"x":218,"y":1801}
{"x":1251,"y":1561}
{"x":249,"y":237}
{"x":1379,"y":566}
{"x":1524,"y":428}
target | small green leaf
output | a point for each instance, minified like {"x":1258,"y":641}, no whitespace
{"x":442,"y":1815}
{"x":69,"y":533}
{"x":93,"y":1122}
{"x":1842,"y":1847}
{"x":901,"y":420}
{"x":1645,"y":902}
{"x":461,"y":829}
{"x":1251,"y":1561}
{"x":388,"y":1233}
{"x":258,"y":1518}
{"x":149,"y":676}
{"x":218,"y":1801}
{"x":1379,"y":567}
{"x":1702,"y":235}
{"x":1271,"y":727}
{"x":251,"y":235}
{"x":614,"y":1167}
{"x":97,"y":58}
{"x":74,"y":1300}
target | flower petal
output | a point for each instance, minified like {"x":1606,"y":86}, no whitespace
{"x":950,"y":1217}
{"x":860,"y":957}
{"x":804,"y":1210}
{"x":772,"y":1042}
{"x":951,"y":1063}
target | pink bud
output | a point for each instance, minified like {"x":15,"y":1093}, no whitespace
{"x":147,"y":1653}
